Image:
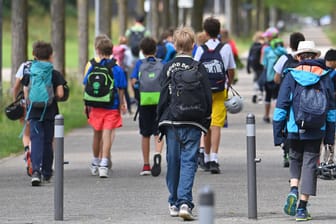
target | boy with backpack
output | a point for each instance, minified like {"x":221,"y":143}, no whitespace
{"x":271,"y":54}
{"x":43,"y":86}
{"x":306,"y":108}
{"x":104,"y":99}
{"x":184,"y":112}
{"x":135,"y":34}
{"x":218,"y":60}
{"x":287,"y":61}
{"x":146,"y":75}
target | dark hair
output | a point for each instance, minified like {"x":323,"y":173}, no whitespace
{"x":104,"y":46}
{"x":212,"y":27}
{"x":140,"y":18}
{"x":148,"y":46}
{"x":330,"y":55}
{"x":294,"y":40}
{"x":42,"y":50}
{"x":307,"y":55}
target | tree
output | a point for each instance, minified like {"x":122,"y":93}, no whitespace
{"x":105,"y":17}
{"x":122,"y":12}
{"x":197,"y":15}
{"x":58,"y":34}
{"x":19,"y":35}
{"x":83,"y":34}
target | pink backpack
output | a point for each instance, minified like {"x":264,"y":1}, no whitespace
{"x":119,"y":54}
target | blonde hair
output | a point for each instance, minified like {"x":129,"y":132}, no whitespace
{"x":184,"y":39}
{"x":201,"y":38}
{"x":257,"y":37}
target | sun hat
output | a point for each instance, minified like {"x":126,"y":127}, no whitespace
{"x":307,"y":46}
{"x":271,"y":32}
{"x":330,"y":55}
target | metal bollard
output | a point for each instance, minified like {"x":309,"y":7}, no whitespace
{"x":206,"y":206}
{"x":251,"y":167}
{"x":59,"y":167}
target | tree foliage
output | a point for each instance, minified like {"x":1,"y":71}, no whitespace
{"x":314,"y":9}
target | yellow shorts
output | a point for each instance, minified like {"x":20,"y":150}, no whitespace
{"x":218,"y":108}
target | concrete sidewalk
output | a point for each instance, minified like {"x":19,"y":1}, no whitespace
{"x":126,"y":197}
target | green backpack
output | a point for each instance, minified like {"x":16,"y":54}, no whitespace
{"x":149,"y":82}
{"x":99,"y":89}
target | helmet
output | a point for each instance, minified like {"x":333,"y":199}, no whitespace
{"x":14,"y":111}
{"x":234,"y":104}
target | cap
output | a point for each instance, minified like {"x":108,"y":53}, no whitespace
{"x":271,"y":32}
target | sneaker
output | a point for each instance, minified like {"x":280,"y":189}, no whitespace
{"x":200,"y":160}
{"x":156,"y":169}
{"x":267,"y":120}
{"x":207,"y":167}
{"x":286,"y":161}
{"x":214,"y":167}
{"x":254,"y":99}
{"x":185,"y":212}
{"x":290,"y":206}
{"x":94,"y":169}
{"x":36,"y":179}
{"x":103,"y":171}
{"x":146,"y":170}
{"x":29,"y":166}
{"x":173,"y":211}
{"x":110,"y":164}
{"x":302,"y":215}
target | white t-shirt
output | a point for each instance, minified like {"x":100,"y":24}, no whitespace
{"x":225,"y":52}
{"x":279,"y":65}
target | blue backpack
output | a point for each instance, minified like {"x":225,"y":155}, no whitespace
{"x":213,"y":63}
{"x":40,"y":89}
{"x":310,"y":105}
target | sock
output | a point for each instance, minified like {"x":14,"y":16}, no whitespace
{"x":206,"y":157}
{"x":201,"y":149}
{"x":95,"y":161}
{"x":302,"y":204}
{"x":294,"y":188}
{"x":104,"y":162}
{"x":214,"y":157}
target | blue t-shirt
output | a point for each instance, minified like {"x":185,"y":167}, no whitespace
{"x":120,"y":81}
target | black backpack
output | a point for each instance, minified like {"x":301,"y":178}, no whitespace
{"x":134,"y":40}
{"x":99,"y":91}
{"x":187,"y":98}
{"x":254,"y":56}
{"x":213,"y":63}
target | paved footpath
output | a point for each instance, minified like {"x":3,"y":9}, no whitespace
{"x":126,"y":197}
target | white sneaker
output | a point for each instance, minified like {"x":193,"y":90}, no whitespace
{"x":103,"y":171}
{"x":185,"y":212}
{"x":93,"y":169}
{"x":173,"y":211}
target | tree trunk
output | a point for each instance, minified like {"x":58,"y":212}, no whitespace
{"x":165,"y":15}
{"x":122,"y":15}
{"x":19,"y":35}
{"x":174,"y":14}
{"x":197,"y":15}
{"x":83,"y":34}
{"x":58,"y":34}
{"x":105,"y":17}
{"x":154,"y":18}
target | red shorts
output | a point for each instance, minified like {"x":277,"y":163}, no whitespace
{"x":104,"y":119}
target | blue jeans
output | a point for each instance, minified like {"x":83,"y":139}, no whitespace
{"x":182,"y":150}
{"x":41,"y":137}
